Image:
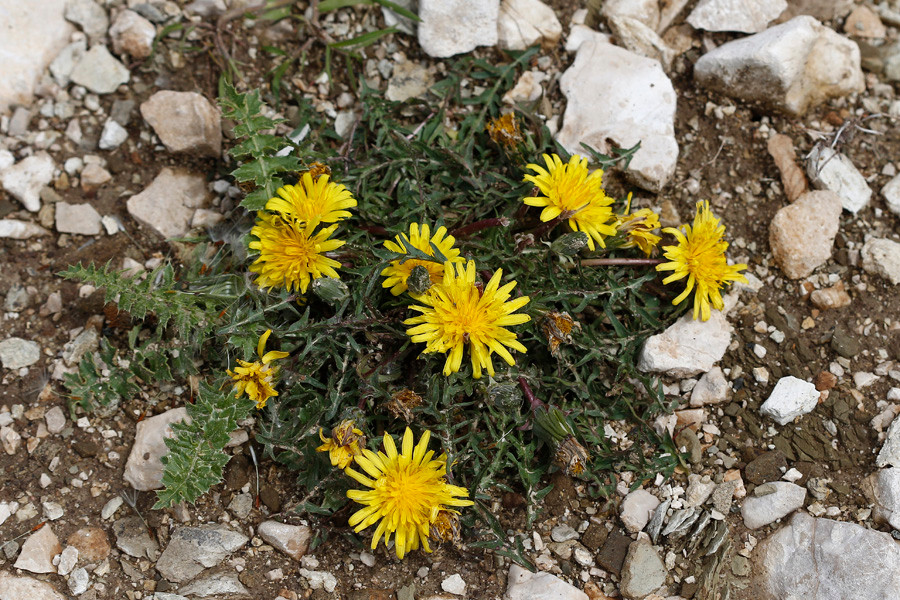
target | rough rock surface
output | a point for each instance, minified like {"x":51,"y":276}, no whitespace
{"x":133,"y":539}
{"x":639,"y":38}
{"x":881,"y":257}
{"x":26,"y":588}
{"x":783,"y":499}
{"x":647,"y":11}
{"x":790,"y":398}
{"x":132,"y":34}
{"x":801,"y":234}
{"x":636,"y":509}
{"x":90,"y":16}
{"x":293,"y":540}
{"x":100,"y":71}
{"x":886,"y":490}
{"x":82,"y":219}
{"x":821,"y":559}
{"x":889,"y":455}
{"x":167,"y":204}
{"x":192,"y":549}
{"x":614,"y":95}
{"x":643,"y":572}
{"x":735,"y":15}
{"x":522,"y":584}
{"x":38,"y":551}
{"x":829,"y":170}
{"x":687,"y":347}
{"x":16,"y":229}
{"x":451,"y":27}
{"x":29,"y":40}
{"x":524,"y":23}
{"x":789,"y":67}
{"x":185,"y":122}
{"x":712,"y":388}
{"x":25,"y":179}
{"x":16,"y":353}
{"x":216,"y":584}
{"x":144,"y":469}
{"x":891,"y":193}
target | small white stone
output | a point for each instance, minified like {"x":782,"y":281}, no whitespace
{"x":110,"y":508}
{"x":454,"y":585}
{"x":367,"y":558}
{"x":792,"y":475}
{"x":791,"y":398}
{"x":863,"y":379}
{"x":113,"y":135}
{"x":759,"y":351}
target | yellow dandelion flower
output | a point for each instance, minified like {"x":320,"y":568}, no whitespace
{"x":572,"y":193}
{"x":638,"y":228}
{"x":291,"y":253}
{"x":407,"y":492}
{"x":457,"y":313}
{"x":316,"y":169}
{"x":313,"y":199}
{"x":504,"y":131}
{"x":700,"y":256}
{"x":256,"y":378}
{"x":397,"y":272}
{"x":345,"y":442}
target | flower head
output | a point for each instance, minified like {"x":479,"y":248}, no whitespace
{"x":504,"y":131}
{"x":256,"y":378}
{"x":571,"y":192}
{"x":291,"y":253}
{"x":313,"y":199}
{"x":457,"y":313}
{"x":638,"y":228}
{"x":407,"y":492}
{"x":420,"y":237}
{"x":316,"y":169}
{"x":700,"y":256}
{"x":344,"y":443}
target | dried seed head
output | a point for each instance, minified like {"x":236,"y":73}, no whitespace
{"x":570,"y":244}
{"x":419,"y":280}
{"x":557,"y":328}
{"x":445,"y":526}
{"x":317,"y":169}
{"x":571,"y":456}
{"x":504,"y":131}
{"x":401,"y":404}
{"x":505,"y":395}
{"x":332,"y":291}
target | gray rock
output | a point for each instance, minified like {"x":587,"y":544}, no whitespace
{"x":292,"y":540}
{"x":829,"y":170}
{"x":722,"y":496}
{"x":26,"y":588}
{"x":409,"y":80}
{"x":563,"y":533}
{"x":823,"y":10}
{"x":636,"y":509}
{"x":889,"y":455}
{"x":319,"y":580}
{"x":687,"y":347}
{"x":86,"y":341}
{"x":79,"y":581}
{"x":647,"y":11}
{"x":99,"y":71}
{"x":215,"y":584}
{"x":617,"y":97}
{"x":790,"y":398}
{"x":643,"y":571}
{"x":167,"y":204}
{"x":38,"y":551}
{"x":52,"y":510}
{"x":712,"y":388}
{"x":886,"y":490}
{"x":192,"y":549}
{"x":522,"y":584}
{"x":144,"y":468}
{"x":802,"y":234}
{"x":18,"y":124}
{"x":524,"y":23}
{"x":891,"y":193}
{"x":639,"y":38}
{"x":113,"y":135}
{"x":30,"y":40}
{"x":17,"y":298}
{"x":881,"y":256}
{"x":16,"y":353}
{"x":67,"y":560}
{"x":82,"y":219}
{"x":185,"y":122}
{"x":821,"y":559}
{"x":133,"y":539}
{"x":25,"y":179}
{"x":90,"y":16}
{"x":451,"y":27}
{"x":735,"y":15}
{"x":698,"y":491}
{"x":759,"y":511}
{"x":16,"y":229}
{"x":132,"y":34}
{"x":241,"y":506}
{"x":56,"y":419}
{"x":62,"y":66}
{"x":790,"y":67}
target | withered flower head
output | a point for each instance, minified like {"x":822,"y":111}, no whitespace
{"x":571,"y":456}
{"x":316,"y":169}
{"x":345,"y":442}
{"x":444,"y":525}
{"x":402,"y":403}
{"x":557,"y":328}
{"x":504,"y":131}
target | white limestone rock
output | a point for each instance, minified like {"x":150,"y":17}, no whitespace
{"x":889,"y":455}
{"x":827,"y":560}
{"x":16,"y":229}
{"x":185,"y":122}
{"x":144,"y":469}
{"x":450,"y":27}
{"x":802,"y":234}
{"x":167,"y":205}
{"x":687,"y":347}
{"x":643,"y":572}
{"x":783,"y":499}
{"x":132,"y":34}
{"x":38,"y":551}
{"x":81,"y":219}
{"x":646,"y":11}
{"x":881,"y":257}
{"x":29,"y":40}
{"x":26,"y":588}
{"x":745,"y":16}
{"x":639,"y":38}
{"x":830,"y":170}
{"x":636,"y":509}
{"x":524,"y":23}
{"x":522,"y":584}
{"x":25,"y":179}
{"x":790,"y":398}
{"x":113,"y":135}
{"x":891,"y":193}
{"x":100,"y":71}
{"x":790,"y":67}
{"x":292,"y":540}
{"x":62,"y":66}
{"x":90,"y":16}
{"x":193,"y":549}
{"x":886,"y":489}
{"x":713,"y":388}
{"x":615,"y":96}
{"x":16,"y":353}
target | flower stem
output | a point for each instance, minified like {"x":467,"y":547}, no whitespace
{"x":479,"y":225}
{"x":529,"y":395}
{"x":625,"y":262}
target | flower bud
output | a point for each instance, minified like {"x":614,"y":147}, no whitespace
{"x":504,"y":395}
{"x":332,"y":291}
{"x":419,"y":280}
{"x":570,"y":244}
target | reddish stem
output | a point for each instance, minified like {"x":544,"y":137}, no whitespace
{"x":529,"y":395}
{"x":479,"y":225}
